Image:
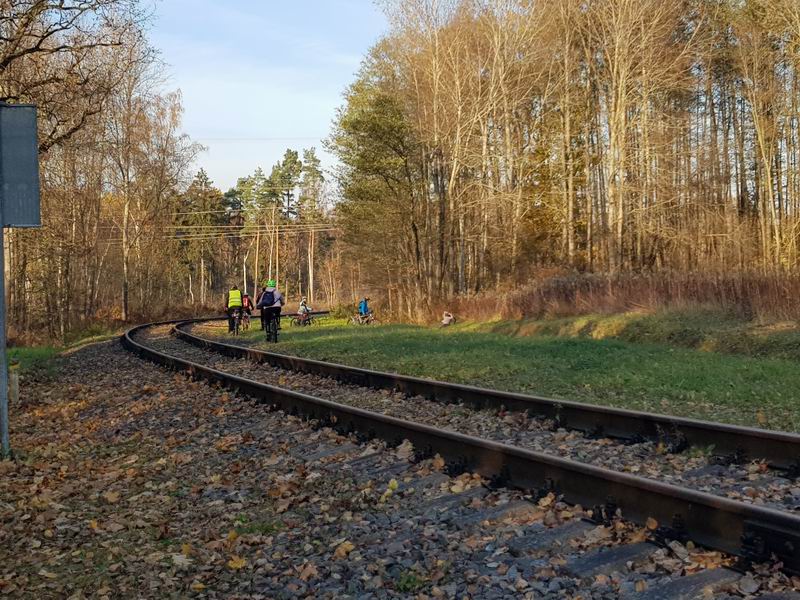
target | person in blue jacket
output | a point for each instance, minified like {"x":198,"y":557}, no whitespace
{"x":363,"y":307}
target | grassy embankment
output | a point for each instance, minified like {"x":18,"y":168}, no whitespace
{"x":40,"y":358}
{"x":682,"y":363}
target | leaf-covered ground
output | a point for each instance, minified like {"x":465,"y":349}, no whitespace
{"x":132,"y":482}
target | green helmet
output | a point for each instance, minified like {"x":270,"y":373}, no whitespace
{"x":271,"y":283}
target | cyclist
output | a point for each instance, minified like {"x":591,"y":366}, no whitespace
{"x":270,"y":303}
{"x":363,"y":308}
{"x":304,"y":310}
{"x":247,"y":307}
{"x":233,"y":302}
{"x":258,"y":301}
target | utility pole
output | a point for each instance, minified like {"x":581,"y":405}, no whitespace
{"x":19,"y":207}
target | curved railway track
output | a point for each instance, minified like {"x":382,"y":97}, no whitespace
{"x":755,"y":533}
{"x":780,"y":449}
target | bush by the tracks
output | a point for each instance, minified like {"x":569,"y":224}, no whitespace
{"x":752,"y":296}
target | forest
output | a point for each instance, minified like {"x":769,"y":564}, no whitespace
{"x":130,"y":229}
{"x":497,"y":144}
{"x":485,"y":149}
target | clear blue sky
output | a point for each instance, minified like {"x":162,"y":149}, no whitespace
{"x":258,"y":76}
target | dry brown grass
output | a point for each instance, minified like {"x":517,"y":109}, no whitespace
{"x":755,"y":297}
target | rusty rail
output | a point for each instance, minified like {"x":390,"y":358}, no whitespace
{"x":750,"y":531}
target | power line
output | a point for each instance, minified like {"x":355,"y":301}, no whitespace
{"x":261,"y":139}
{"x":212,"y":236}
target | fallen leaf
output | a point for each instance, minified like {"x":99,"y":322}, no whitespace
{"x":343,"y":549}
{"x":640,"y":535}
{"x":111,"y":497}
{"x":179,"y":560}
{"x":405,"y":450}
{"x":237,"y":563}
{"x":748,"y":585}
{"x":308,"y":571}
{"x":547,"y":500}
{"x":652,"y":524}
{"x":197,"y":586}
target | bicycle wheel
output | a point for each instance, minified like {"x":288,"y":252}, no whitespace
{"x":296,"y":322}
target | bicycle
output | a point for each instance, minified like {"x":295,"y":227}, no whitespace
{"x":237,"y":321}
{"x":364,"y":319}
{"x":298,"y":321}
{"x":272,"y":329}
{"x":245,"y":321}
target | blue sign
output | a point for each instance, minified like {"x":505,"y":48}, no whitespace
{"x":19,"y":166}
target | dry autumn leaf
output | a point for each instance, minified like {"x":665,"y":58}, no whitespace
{"x":343,"y":549}
{"x":236,"y":563}
{"x":405,"y":451}
{"x":309,"y":571}
{"x":111,"y":497}
{"x":197,"y":586}
{"x":652,"y":524}
{"x":179,"y":560}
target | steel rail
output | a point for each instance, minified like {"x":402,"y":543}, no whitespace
{"x":754,"y":532}
{"x":780,"y":449}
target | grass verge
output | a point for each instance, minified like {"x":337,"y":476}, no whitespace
{"x":700,"y":329}
{"x":41,"y":359}
{"x":34,"y":358}
{"x":653,"y":377}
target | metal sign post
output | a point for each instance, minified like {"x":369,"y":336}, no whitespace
{"x":19,"y":207}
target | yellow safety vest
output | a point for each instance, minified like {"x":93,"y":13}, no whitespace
{"x":234,"y":298}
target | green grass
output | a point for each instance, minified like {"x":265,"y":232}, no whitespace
{"x":408,"y":582}
{"x":612,"y":372}
{"x":42,"y":359}
{"x":246,"y":527}
{"x":33,"y":358}
{"x":700,"y":329}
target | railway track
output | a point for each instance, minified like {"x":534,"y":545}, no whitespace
{"x":730,"y":443}
{"x":751,"y":532}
